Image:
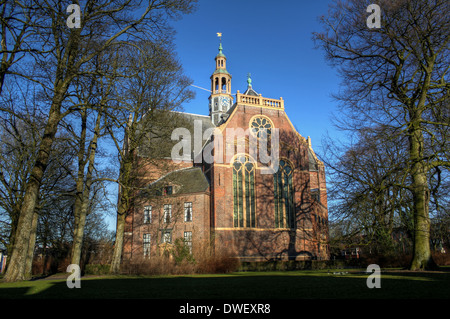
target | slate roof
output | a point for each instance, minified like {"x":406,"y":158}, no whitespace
{"x":312,"y":161}
{"x":191,"y":121}
{"x":250,"y":91}
{"x":185,"y":181}
{"x":161,"y":146}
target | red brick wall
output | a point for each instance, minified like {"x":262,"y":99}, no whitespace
{"x":214,"y":210}
{"x":265,"y":240}
{"x":199,"y":226}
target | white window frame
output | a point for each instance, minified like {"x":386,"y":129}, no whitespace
{"x":148,"y":214}
{"x":188,"y":211}
{"x":188,"y":240}
{"x":166,"y":236}
{"x":167,"y":213}
{"x":146,"y":243}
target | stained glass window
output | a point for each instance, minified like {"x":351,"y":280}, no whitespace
{"x":244,"y":192}
{"x":261,"y":127}
{"x":284,"y":196}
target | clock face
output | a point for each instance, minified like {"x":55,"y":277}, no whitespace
{"x":224,"y":101}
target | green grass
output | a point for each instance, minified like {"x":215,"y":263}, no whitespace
{"x":241,"y":285}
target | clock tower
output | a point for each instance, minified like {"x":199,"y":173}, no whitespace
{"x":221,"y":99}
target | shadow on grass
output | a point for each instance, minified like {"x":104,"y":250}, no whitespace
{"x":271,"y":285}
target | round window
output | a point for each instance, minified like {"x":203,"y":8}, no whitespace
{"x":261,"y":127}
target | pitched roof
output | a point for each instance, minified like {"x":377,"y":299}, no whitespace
{"x":250,"y":91}
{"x":185,"y":181}
{"x":193,"y":121}
{"x":312,"y":160}
{"x":161,"y":146}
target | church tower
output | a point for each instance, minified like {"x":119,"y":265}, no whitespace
{"x":221,"y":99}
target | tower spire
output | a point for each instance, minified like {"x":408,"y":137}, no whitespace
{"x":219,"y":35}
{"x":221,"y":99}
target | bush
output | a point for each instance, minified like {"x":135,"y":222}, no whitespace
{"x":287,"y":265}
{"x":96,"y":269}
{"x":181,"y":252}
{"x":179,"y":260}
{"x":218,"y":264}
{"x":441,"y":259}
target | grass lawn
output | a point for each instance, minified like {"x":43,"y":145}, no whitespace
{"x":241,"y":285}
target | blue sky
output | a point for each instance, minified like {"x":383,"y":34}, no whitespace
{"x":272,"y":41}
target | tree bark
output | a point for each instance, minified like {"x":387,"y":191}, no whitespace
{"x":78,"y":238}
{"x":18,"y":268}
{"x":32,"y":244}
{"x":85,"y":190}
{"x":122,"y":210}
{"x":118,"y":245}
{"x":79,"y":221}
{"x":422,"y":258}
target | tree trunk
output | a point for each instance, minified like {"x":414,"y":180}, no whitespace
{"x":82,"y":207}
{"x":123,"y":206}
{"x":32,"y":244}
{"x":421,"y":250}
{"x":18,"y":267}
{"x":122,"y":209}
{"x":78,"y":239}
{"x":422,"y":258}
{"x":118,"y":245}
{"x":421,"y":194}
{"x":80,"y":220}
{"x":12,"y":235}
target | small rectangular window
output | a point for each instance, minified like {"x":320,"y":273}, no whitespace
{"x":147,"y":214}
{"x":168,"y":190}
{"x":147,"y":243}
{"x":167,"y":213}
{"x":188,"y":240}
{"x":188,"y":212}
{"x":166,"y":236}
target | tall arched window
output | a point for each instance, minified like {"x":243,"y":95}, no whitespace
{"x":244,"y":192}
{"x":284,"y":196}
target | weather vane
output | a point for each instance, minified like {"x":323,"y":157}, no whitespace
{"x":219,"y":34}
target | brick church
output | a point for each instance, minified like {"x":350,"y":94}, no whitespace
{"x":233,"y":204}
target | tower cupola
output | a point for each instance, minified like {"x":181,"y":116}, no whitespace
{"x":221,"y":99}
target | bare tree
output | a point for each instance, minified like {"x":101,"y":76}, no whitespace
{"x":20,"y":137}
{"x":145,"y":104}
{"x":397,"y":76}
{"x":92,"y":94}
{"x":17,"y":153}
{"x":84,"y":179}
{"x":16,"y":26}
{"x":366,"y":190}
{"x":104,"y":24}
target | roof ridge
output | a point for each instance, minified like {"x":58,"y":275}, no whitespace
{"x":191,"y":113}
{"x":164,"y":176}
